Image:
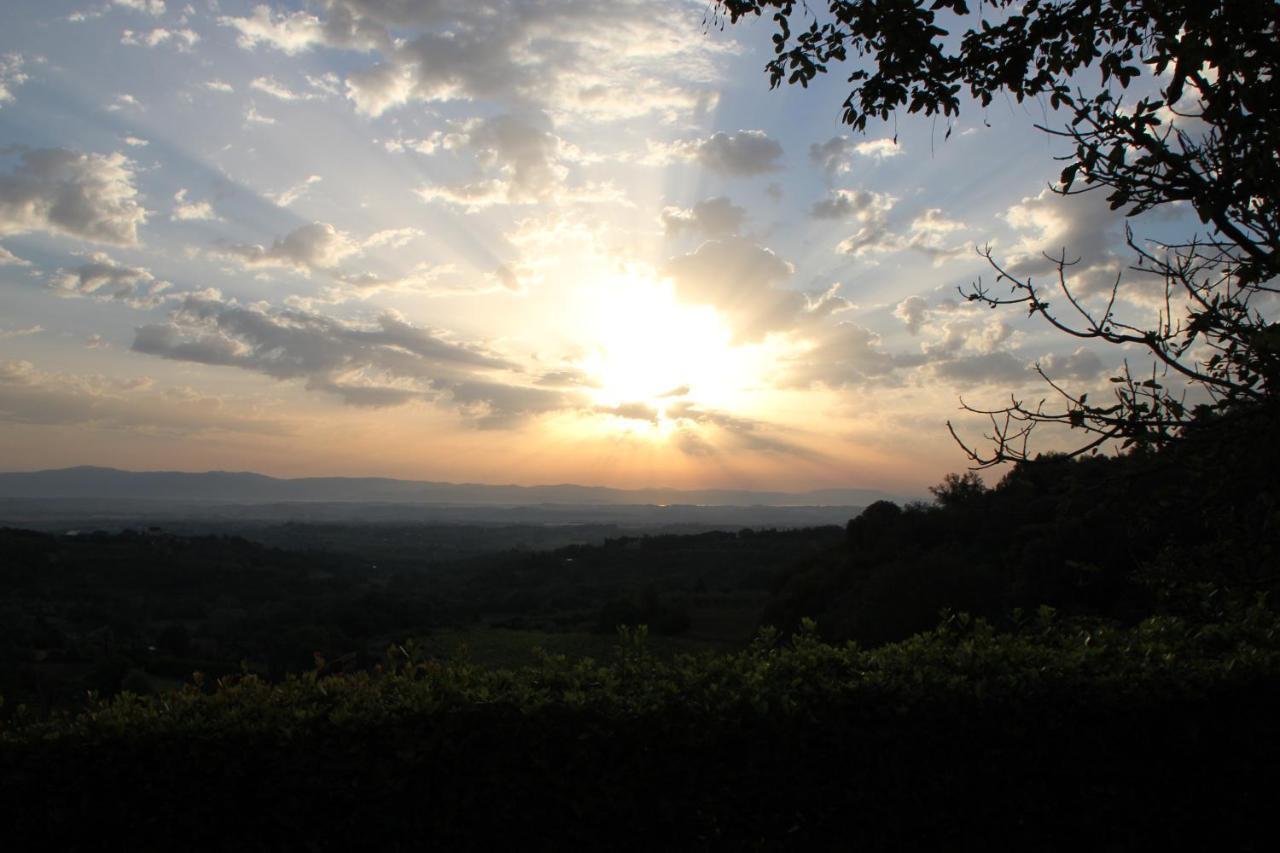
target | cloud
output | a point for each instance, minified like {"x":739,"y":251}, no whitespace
{"x":927,"y":234}
{"x":379,"y":88}
{"x":519,"y":159}
{"x":58,"y":191}
{"x":154,"y":8}
{"x":385,"y":363}
{"x":393,"y":237}
{"x":11,"y":75}
{"x":185,"y":211}
{"x":743,"y":281}
{"x":713,"y":217}
{"x":9,"y":259}
{"x":845,"y":355}
{"x":25,"y":331}
{"x":736,"y":433}
{"x":912,"y":311}
{"x":741,"y":154}
{"x":1084,"y":227}
{"x":183,"y":39}
{"x":252,"y":115}
{"x":136,"y":142}
{"x":496,"y":405}
{"x":36,"y":397}
{"x":993,"y":368}
{"x":835,"y":156}
{"x":581,"y":61}
{"x":312,"y":247}
{"x":321,"y":247}
{"x":423,"y":278}
{"x":104,"y":279}
{"x":219,"y":86}
{"x":293,"y":193}
{"x":1081,"y":365}
{"x":276,"y":89}
{"x":291,"y":32}
{"x":864,"y":205}
{"x":123,"y":102}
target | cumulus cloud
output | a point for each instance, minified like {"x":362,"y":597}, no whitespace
{"x":912,"y":311}
{"x":311,"y":247}
{"x":185,"y":210}
{"x":1081,"y":365}
{"x":993,"y":368}
{"x":835,"y":156}
{"x":291,"y":32}
{"x":741,"y":154}
{"x":1083,"y":226}
{"x":849,"y":204}
{"x":124,"y":101}
{"x":578,"y":60}
{"x":927,"y":234}
{"x":321,"y":248}
{"x":385,"y":363}
{"x":54,"y":190}
{"x":11,"y":75}
{"x":154,"y":8}
{"x":713,"y":217}
{"x":744,"y":282}
{"x":519,"y":159}
{"x":184,"y":39}
{"x":103,"y":278}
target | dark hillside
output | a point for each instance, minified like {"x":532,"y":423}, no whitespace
{"x":1116,"y":537}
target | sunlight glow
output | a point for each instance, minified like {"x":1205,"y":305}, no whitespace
{"x":652,"y":355}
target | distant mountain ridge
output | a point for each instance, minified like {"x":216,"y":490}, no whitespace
{"x":88,"y":482}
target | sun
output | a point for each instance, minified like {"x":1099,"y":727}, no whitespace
{"x":652,"y":353}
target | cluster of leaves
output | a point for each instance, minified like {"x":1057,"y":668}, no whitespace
{"x":1152,"y":731}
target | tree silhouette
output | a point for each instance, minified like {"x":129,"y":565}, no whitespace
{"x":1199,"y":126}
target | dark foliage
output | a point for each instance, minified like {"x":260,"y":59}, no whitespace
{"x":1186,"y":530}
{"x":1054,"y":738}
{"x":83,"y":613}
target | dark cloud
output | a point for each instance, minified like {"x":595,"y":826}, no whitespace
{"x":1081,"y":365}
{"x":386,"y":363}
{"x":58,"y":191}
{"x":848,"y":204}
{"x":713,"y":217}
{"x":103,"y":278}
{"x":745,"y":153}
{"x":993,"y":368}
{"x":312,"y":247}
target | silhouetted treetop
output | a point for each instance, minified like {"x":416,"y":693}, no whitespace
{"x":1184,"y":108}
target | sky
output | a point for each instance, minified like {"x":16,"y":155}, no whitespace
{"x":533,"y":241}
